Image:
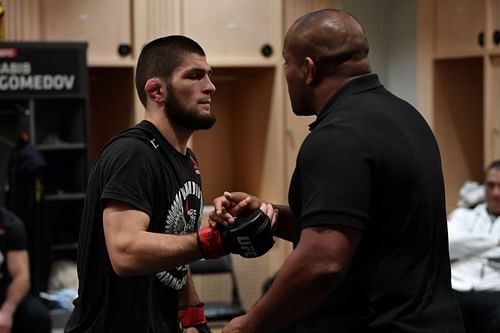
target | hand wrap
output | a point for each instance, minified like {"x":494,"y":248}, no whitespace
{"x":249,"y":236}
{"x":194,"y":316}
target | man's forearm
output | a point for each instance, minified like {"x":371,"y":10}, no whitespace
{"x":285,"y":225}
{"x":468,"y":245}
{"x":297,"y":290}
{"x":313,"y":270}
{"x":16,"y":292}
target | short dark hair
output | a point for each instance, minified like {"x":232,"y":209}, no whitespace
{"x":160,"y":57}
{"x":494,"y":165}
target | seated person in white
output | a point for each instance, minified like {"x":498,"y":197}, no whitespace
{"x":474,"y":236}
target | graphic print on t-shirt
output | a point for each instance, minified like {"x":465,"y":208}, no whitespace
{"x":2,"y":249}
{"x":183,"y":217}
{"x":195,"y":165}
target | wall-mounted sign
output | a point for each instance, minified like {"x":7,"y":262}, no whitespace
{"x":37,"y":68}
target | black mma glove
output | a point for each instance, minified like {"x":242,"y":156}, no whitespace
{"x":249,"y":236}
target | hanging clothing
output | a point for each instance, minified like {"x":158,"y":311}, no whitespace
{"x":26,"y":199}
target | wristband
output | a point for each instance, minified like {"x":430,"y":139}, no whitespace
{"x":192,"y":315}
{"x":210,"y":243}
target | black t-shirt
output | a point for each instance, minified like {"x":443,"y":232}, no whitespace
{"x":141,"y":169}
{"x":372,"y":163}
{"x":12,"y":238}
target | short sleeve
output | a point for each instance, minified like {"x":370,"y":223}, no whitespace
{"x":15,"y":232}
{"x":129,"y":168}
{"x":335,"y":166}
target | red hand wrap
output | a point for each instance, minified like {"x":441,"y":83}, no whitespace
{"x":210,"y":242}
{"x":192,"y":315}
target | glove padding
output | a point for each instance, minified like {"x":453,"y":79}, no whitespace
{"x":249,"y":236}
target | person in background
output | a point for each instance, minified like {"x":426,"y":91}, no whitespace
{"x":366,"y":200}
{"x":474,"y":236}
{"x":144,"y":204}
{"x":20,"y":311}
{"x":26,"y":199}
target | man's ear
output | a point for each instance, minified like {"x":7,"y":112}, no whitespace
{"x":310,"y":71}
{"x":155,"y":90}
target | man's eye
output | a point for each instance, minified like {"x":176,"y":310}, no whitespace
{"x":196,"y":75}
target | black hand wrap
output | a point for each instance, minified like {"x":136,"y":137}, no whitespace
{"x":250,"y":236}
{"x":202,"y":328}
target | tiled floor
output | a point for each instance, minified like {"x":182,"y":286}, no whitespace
{"x":59,"y":317}
{"x":215,"y":328}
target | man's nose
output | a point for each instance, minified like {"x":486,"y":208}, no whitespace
{"x":210,"y":86}
{"x":496,"y":190}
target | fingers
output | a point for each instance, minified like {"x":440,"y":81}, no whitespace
{"x":222,"y":203}
{"x":271,"y":212}
{"x":223,"y":217}
{"x":240,"y":207}
{"x":232,"y":204}
{"x":265,"y":208}
{"x":236,"y":325}
{"x":227,"y":206}
{"x":274,"y":219}
{"x":221,"y":214}
{"x":252,"y":203}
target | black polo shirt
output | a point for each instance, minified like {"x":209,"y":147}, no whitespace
{"x":372,"y":163}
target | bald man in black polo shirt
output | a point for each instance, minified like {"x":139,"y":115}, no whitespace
{"x":367,"y":211}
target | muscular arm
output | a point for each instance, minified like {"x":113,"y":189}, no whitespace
{"x":135,"y":251}
{"x":313,"y":270}
{"x":18,"y":267}
{"x":285,"y":227}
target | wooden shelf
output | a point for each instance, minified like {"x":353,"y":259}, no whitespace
{"x":65,"y":247}
{"x":242,"y":62}
{"x":64,"y":197}
{"x":62,"y":146}
{"x":459,"y":54}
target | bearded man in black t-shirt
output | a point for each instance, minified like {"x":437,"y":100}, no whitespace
{"x":367,"y":211}
{"x":144,"y":205}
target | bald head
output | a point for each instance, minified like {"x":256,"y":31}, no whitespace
{"x":333,"y":39}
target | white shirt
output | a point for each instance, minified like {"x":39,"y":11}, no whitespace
{"x":474,"y":251}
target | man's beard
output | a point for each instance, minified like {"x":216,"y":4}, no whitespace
{"x":182,"y":116}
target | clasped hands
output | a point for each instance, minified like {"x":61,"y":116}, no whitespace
{"x":233,"y":204}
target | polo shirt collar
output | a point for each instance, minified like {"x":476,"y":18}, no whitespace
{"x":355,"y":86}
